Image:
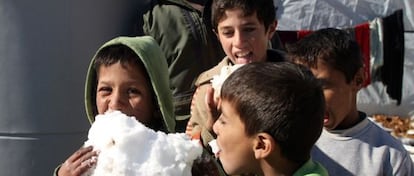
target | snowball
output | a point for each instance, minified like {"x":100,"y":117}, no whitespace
{"x":127,"y":147}
{"x":214,"y":147}
{"x":218,"y":80}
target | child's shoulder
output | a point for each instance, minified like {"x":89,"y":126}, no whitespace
{"x":206,"y":76}
{"x":311,"y":168}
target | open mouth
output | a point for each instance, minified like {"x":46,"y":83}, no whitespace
{"x":215,"y":148}
{"x":244,"y":57}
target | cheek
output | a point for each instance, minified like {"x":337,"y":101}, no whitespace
{"x":215,"y":127}
{"x":259,"y":52}
{"x":142,"y":109}
{"x":101,"y":105}
{"x":234,"y":155}
{"x":225,"y":41}
{"x":230,"y":141}
{"x":226,"y":45}
{"x":329,"y":96}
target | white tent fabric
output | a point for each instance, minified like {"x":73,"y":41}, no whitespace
{"x":317,"y":14}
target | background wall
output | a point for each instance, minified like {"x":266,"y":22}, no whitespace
{"x":45,"y":48}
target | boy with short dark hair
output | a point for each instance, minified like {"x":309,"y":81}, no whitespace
{"x":127,"y":74}
{"x":244,"y":28}
{"x":130,"y":75}
{"x":272,"y":114}
{"x":350,"y":143}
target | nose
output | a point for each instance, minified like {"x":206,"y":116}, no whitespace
{"x":239,"y":39}
{"x":116,"y":101}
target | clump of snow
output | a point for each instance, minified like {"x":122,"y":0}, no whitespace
{"x":127,"y":147}
{"x":218,"y":80}
{"x":214,"y":147}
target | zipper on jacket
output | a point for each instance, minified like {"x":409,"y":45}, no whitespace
{"x":197,"y":28}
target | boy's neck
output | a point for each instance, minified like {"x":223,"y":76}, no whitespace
{"x":279,"y":166}
{"x":350,"y":120}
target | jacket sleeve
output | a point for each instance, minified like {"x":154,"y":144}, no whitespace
{"x":55,"y":172}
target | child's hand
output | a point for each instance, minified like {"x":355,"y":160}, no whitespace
{"x":189,"y":129}
{"x":212,"y":108}
{"x":78,"y":163}
{"x":193,"y":127}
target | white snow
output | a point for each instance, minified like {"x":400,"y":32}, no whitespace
{"x":218,"y":80}
{"x":127,"y":147}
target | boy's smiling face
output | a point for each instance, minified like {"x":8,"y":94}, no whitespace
{"x":236,"y":148}
{"x":244,"y":38}
{"x":125,"y":88}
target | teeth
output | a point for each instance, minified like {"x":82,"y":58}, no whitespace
{"x":244,"y":54}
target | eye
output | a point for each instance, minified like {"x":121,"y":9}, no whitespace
{"x":133,"y":91}
{"x":104,"y":90}
{"x":249,"y":29}
{"x":227,"y":33}
{"x":221,"y":120}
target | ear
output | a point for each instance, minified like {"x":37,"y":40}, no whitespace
{"x":271,"y":30}
{"x":359,"y":79}
{"x":264,"y":145}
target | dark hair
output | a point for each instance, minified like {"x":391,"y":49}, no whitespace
{"x":121,"y":53}
{"x":334,"y":46}
{"x":116,"y":53}
{"x":282,"y":99}
{"x":265,"y":10}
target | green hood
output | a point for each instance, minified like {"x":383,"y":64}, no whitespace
{"x":156,"y":65}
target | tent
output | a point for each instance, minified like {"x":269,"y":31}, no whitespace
{"x":316,"y":14}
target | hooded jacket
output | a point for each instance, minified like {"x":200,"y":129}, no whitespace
{"x":155,"y":64}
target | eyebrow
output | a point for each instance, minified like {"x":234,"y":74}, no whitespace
{"x":247,"y":24}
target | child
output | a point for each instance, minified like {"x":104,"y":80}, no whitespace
{"x":244,"y":28}
{"x":272,"y":114}
{"x":129,"y":75}
{"x":350,"y":143}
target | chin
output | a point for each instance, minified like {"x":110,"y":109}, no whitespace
{"x":328,"y":126}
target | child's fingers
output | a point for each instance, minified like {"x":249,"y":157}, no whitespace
{"x":79,"y":153}
{"x":210,"y":98}
{"x":212,"y":111}
{"x":212,"y":105}
{"x":79,"y":162}
{"x":189,"y":129}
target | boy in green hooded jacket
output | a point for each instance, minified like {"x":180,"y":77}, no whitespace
{"x":128,"y":74}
